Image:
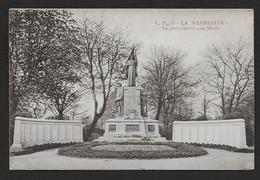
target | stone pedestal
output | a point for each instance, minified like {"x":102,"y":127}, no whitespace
{"x":131,"y":126}
{"x":126,"y":130}
{"x":132,"y":102}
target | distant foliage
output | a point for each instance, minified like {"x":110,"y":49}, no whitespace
{"x":58,"y":118}
{"x":200,"y":118}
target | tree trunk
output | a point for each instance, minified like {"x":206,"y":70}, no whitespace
{"x":223,"y":108}
{"x":90,"y":130}
{"x":159,"y":107}
{"x":205,"y":108}
{"x":60,"y":115}
{"x":97,"y":116}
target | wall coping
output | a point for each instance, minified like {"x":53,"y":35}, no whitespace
{"x":210,"y":121}
{"x":46,"y":120}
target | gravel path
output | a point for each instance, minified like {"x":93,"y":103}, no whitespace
{"x":215,"y":160}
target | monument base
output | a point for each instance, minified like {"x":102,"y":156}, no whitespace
{"x":131,"y":125}
{"x":120,"y":129}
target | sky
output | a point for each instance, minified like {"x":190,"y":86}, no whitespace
{"x":191,"y":30}
{"x":146,"y":26}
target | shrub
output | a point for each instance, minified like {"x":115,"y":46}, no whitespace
{"x":166,"y":132}
{"x":96,"y":133}
{"x":200,"y":118}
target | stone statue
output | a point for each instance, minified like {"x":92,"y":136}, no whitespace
{"x":143,"y":103}
{"x":131,"y":66}
{"x":119,"y":99}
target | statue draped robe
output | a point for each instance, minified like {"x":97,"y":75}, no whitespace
{"x":131,"y":72}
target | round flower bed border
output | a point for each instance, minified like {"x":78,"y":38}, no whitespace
{"x":85,"y":150}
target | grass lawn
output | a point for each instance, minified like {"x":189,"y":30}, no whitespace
{"x":132,"y":150}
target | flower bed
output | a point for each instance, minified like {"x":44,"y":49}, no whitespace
{"x":125,"y":147}
{"x":132,"y":150}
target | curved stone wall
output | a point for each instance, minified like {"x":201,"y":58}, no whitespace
{"x":29,"y":132}
{"x":226,"y":132}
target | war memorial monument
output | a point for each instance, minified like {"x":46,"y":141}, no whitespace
{"x":131,"y":122}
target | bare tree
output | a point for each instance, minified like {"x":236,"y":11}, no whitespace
{"x":229,"y":74}
{"x":167,"y":83}
{"x":159,"y":72}
{"x":103,"y":56}
{"x":205,"y":107}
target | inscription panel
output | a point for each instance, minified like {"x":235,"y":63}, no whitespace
{"x":132,"y":100}
{"x":112,"y":127}
{"x":151,"y":128}
{"x":132,"y":128}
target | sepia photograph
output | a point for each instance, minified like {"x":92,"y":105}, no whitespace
{"x":131,"y":89}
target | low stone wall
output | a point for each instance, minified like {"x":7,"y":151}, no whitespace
{"x":225,"y":132}
{"x":29,"y":132}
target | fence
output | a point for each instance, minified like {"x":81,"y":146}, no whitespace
{"x":29,"y":132}
{"x":226,"y":132}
